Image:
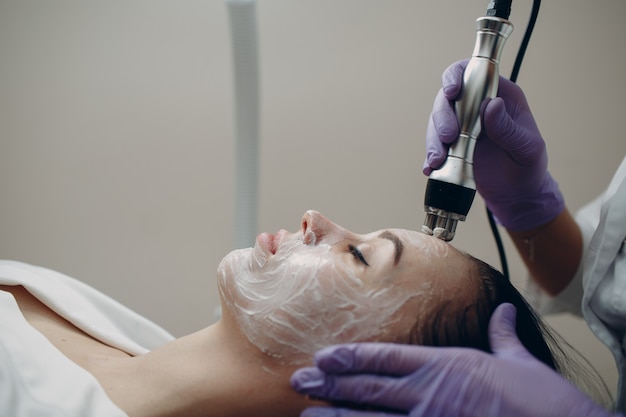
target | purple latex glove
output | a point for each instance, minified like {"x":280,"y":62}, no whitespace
{"x":419,"y":381}
{"x":510,"y":159}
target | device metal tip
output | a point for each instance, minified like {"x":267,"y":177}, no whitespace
{"x":441,"y":224}
{"x":438,"y":232}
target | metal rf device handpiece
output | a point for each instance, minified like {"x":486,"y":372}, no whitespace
{"x":451,"y":188}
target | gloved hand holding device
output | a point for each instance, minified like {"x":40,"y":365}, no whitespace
{"x":421,"y":381}
{"x":510,"y":159}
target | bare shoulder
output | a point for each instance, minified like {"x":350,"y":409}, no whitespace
{"x":70,"y":340}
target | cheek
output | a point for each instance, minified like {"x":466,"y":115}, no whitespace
{"x":303,"y":300}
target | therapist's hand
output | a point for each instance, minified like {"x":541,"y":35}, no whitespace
{"x":510,"y":159}
{"x":421,"y":381}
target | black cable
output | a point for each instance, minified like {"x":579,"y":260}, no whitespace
{"x":514,"y":73}
{"x":522,"y":49}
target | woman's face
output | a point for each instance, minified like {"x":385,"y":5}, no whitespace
{"x":294,"y":293}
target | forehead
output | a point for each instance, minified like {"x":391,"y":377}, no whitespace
{"x":425,"y":257}
{"x":428,"y":246}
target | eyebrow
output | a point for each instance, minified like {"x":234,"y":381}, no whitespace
{"x":396,"y":242}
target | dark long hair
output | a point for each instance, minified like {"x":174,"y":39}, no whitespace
{"x":463,"y":320}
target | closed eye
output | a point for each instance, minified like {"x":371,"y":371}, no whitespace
{"x":358,"y":255}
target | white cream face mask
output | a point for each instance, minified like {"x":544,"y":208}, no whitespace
{"x":302,"y":299}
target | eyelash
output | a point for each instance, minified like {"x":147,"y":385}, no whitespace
{"x":358,"y":255}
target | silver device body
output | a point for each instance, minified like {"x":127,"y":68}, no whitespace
{"x":480,"y":81}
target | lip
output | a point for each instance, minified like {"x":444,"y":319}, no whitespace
{"x":271,"y":242}
{"x":266,"y":242}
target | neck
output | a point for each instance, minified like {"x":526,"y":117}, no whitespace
{"x":209,"y":373}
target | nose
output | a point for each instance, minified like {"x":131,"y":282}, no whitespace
{"x":316,"y":228}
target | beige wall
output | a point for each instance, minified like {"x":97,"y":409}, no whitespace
{"x":116,"y":134}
